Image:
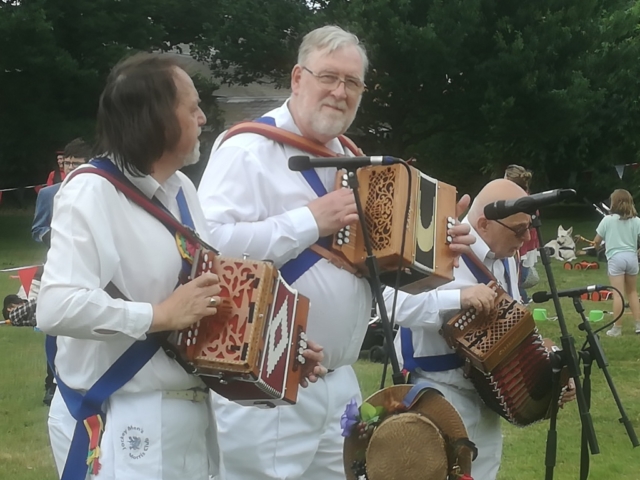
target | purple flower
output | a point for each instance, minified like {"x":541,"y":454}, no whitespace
{"x":349,"y":418}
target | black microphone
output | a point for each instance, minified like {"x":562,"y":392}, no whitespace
{"x":540,"y":297}
{"x":529,"y":204}
{"x":302,"y":162}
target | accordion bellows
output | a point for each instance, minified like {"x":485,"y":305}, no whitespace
{"x":506,"y":359}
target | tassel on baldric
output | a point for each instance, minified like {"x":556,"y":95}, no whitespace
{"x":95,"y":429}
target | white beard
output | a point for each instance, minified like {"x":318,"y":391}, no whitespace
{"x":193,"y":157}
{"x":334,"y":123}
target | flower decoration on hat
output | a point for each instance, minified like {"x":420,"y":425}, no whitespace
{"x":411,"y":424}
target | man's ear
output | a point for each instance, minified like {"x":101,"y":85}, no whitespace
{"x":296,"y":73}
{"x":481,"y":224}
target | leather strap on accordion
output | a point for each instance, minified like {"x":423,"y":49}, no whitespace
{"x":335,"y":259}
{"x":265,"y":126}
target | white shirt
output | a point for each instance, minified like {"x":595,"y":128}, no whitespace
{"x":99,"y":236}
{"x":425,"y":313}
{"x":255,"y":205}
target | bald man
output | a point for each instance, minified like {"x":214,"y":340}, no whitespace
{"x":423,"y":315}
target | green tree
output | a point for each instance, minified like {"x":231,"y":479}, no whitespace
{"x":471,"y":86}
{"x":56,"y":56}
{"x":468,"y":87}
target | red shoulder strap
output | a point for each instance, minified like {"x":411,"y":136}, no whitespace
{"x":283,"y":136}
{"x":140,"y":199}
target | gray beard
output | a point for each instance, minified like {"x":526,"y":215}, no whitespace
{"x":193,"y":157}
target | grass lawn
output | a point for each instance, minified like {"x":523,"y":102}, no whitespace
{"x":24,"y":448}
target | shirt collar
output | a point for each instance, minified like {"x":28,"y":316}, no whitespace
{"x":150,"y":187}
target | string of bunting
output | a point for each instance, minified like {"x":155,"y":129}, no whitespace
{"x":36,"y":187}
{"x":620,"y":168}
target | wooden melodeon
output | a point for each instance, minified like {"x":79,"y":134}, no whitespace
{"x":426,"y":261}
{"x":506,"y":359}
{"x":250,"y":351}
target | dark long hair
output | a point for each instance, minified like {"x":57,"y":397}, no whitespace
{"x":137,"y":122}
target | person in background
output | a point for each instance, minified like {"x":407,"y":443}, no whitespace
{"x":528,"y":253}
{"x":57,"y":175}
{"x":620,"y":230}
{"x":76,"y":153}
{"x":11,"y":303}
{"x":20,"y":312}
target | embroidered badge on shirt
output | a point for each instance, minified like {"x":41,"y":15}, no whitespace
{"x":134,"y":442}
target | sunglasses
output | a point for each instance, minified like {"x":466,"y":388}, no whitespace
{"x":520,"y":231}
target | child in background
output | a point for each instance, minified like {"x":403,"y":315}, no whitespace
{"x":620,"y":231}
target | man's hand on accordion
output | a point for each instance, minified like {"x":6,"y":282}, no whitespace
{"x":334,"y":211}
{"x":312,"y":369}
{"x":187,"y":304}
{"x":480,"y":297}
{"x":460,"y":234}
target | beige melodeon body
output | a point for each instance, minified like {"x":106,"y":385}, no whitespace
{"x":425,"y":262}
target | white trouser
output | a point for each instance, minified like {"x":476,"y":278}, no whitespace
{"x":302,"y":441}
{"x":482,"y":424}
{"x":185,"y":447}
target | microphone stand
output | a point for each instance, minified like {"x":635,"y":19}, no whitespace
{"x":569,"y":357}
{"x":374,"y":280}
{"x":592,"y":349}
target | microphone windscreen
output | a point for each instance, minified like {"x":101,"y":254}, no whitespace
{"x":540,"y":297}
{"x":299,"y":162}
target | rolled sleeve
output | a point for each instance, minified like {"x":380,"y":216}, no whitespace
{"x":305,"y":225}
{"x":449,"y":299}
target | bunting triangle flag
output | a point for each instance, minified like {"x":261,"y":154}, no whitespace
{"x":26,"y":277}
{"x":620,"y":170}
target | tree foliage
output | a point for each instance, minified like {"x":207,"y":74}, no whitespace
{"x":466,"y":87}
{"x":55,"y":57}
{"x":472,"y":86}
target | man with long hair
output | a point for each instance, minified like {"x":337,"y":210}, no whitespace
{"x":155,"y":422}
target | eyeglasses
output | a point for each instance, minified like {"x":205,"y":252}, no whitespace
{"x":72,"y":164}
{"x":520,"y":232}
{"x":331,"y":82}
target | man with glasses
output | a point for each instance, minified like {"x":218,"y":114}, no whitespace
{"x":75,"y":154}
{"x":255,"y":205}
{"x":421,"y":317}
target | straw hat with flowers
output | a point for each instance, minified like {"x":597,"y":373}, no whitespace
{"x":406,"y":432}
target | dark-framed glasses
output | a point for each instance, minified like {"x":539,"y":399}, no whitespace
{"x":331,"y":81}
{"x":520,"y":231}
{"x":67,"y":163}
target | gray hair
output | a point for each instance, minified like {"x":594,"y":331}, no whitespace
{"x":329,"y":39}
